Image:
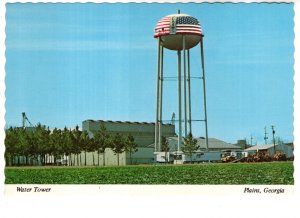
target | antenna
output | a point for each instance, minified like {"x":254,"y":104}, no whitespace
{"x":266,"y":138}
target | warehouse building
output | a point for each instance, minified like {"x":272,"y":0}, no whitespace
{"x":143,"y":133}
{"x":269,"y":148}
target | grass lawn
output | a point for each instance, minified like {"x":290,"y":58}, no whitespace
{"x":233,"y":173}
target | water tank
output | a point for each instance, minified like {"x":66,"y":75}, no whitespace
{"x":172,"y":28}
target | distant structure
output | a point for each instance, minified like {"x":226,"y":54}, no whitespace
{"x":242,"y":143}
{"x":178,"y":32}
{"x":24,"y":119}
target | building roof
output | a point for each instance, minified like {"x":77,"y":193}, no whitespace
{"x":123,"y":122}
{"x":260,"y":147}
{"x":213,"y":143}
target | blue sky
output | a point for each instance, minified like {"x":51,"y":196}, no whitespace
{"x":69,"y":62}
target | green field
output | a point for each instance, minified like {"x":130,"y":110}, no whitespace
{"x":234,"y":173}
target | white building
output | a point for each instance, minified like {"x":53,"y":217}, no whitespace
{"x":214,"y":153}
{"x":269,"y":148}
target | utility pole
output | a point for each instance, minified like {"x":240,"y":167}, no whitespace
{"x":266,"y":138}
{"x":246,"y":146}
{"x":273,"y":132}
{"x":251,"y":140}
{"x":173,"y":119}
{"x":23,"y":119}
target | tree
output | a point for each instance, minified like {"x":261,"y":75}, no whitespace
{"x":85,"y":143}
{"x":56,"y":144}
{"x":23,"y":145}
{"x":165,"y":147}
{"x":92,"y":148}
{"x":41,"y":138}
{"x":47,"y":147}
{"x":76,"y":143}
{"x":102,"y":141}
{"x":67,"y":139}
{"x":130,"y":146}
{"x":189,"y":146}
{"x":31,"y":144}
{"x":11,"y":142}
{"x":118,"y":145}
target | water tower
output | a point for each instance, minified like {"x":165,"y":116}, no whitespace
{"x":178,"y":32}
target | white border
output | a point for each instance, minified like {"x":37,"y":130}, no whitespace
{"x":127,"y":204}
{"x":151,"y":1}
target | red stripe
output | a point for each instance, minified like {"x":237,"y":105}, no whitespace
{"x":178,"y":26}
{"x":165,"y":28}
{"x":192,"y":28}
{"x":167,"y":21}
{"x":189,"y":26}
{"x":157,"y":32}
{"x":160,"y":29}
{"x":163,"y":22}
{"x":188,"y":32}
{"x":162,"y":26}
{"x":178,"y":29}
{"x":167,"y":31}
{"x":166,"y":34}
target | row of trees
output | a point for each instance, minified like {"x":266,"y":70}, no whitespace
{"x":40,"y":143}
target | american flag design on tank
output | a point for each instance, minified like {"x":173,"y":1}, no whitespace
{"x":178,"y":25}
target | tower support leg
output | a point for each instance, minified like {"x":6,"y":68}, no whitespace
{"x":156,"y":149}
{"x":160,"y":98}
{"x":189,"y":92}
{"x":204,"y":92}
{"x":179,"y":101}
{"x":184,"y":86}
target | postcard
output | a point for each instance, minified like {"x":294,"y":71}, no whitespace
{"x":118,"y":99}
